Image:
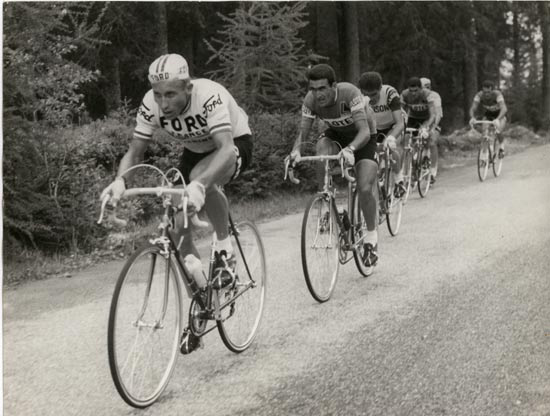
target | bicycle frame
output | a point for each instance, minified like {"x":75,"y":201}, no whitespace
{"x":210,"y":309}
{"x":329,"y":191}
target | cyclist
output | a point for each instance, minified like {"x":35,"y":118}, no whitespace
{"x":419,"y":104}
{"x":493,"y":108}
{"x":342,"y":108}
{"x":385,"y":103}
{"x":217,"y":146}
{"x":436,"y":130}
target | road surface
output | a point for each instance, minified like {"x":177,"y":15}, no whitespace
{"x":454,"y":321}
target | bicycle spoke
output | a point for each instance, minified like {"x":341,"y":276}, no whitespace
{"x":240,"y":319}
{"x":144,"y":327}
{"x":320,"y":247}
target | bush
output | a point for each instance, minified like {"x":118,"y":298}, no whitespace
{"x":53,"y":177}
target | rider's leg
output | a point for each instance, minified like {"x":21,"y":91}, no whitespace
{"x":500,"y":137}
{"x":367,"y":171}
{"x":324,"y":146}
{"x":434,"y":153}
{"x":215,"y":203}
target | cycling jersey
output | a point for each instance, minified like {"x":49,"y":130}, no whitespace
{"x":348,"y":107}
{"x":490,"y":101}
{"x":437,"y":104}
{"x":388,"y":102}
{"x":210,"y":109}
{"x":418,"y":103}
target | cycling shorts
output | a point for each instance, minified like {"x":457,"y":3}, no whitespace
{"x":243,"y":150}
{"x":366,"y":152}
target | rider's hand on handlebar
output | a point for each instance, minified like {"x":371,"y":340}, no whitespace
{"x":472,"y":121}
{"x":115,"y":190}
{"x":424,"y":133}
{"x":196,"y":193}
{"x":295,"y":154}
{"x":347,"y":154}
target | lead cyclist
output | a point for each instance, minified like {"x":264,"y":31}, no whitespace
{"x":217,"y":145}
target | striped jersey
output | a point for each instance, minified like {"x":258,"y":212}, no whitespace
{"x":211,"y":108}
{"x":388,"y":102}
{"x":348,"y":107}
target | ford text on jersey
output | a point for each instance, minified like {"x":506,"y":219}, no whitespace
{"x":210,"y":109}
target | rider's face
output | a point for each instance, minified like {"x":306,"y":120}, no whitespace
{"x":374,"y":95}
{"x":172,"y":97}
{"x":323,"y":92}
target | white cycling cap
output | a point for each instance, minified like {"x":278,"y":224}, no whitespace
{"x":425,"y":82}
{"x":168,"y":67}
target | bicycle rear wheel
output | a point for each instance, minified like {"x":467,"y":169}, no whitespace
{"x":358,"y":236}
{"x":145,"y":324}
{"x":394,"y":206}
{"x":423,"y":172}
{"x":320,"y":247}
{"x":483,"y":158}
{"x":407,"y":174}
{"x":497,"y":163}
{"x":241,"y":317}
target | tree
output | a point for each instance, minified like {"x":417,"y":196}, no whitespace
{"x":260,"y":55}
{"x":42,"y":45}
{"x":544,"y":9}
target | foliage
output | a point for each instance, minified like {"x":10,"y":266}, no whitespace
{"x":42,"y":42}
{"x":260,"y":55}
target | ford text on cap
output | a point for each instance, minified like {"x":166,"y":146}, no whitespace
{"x":168,"y":67}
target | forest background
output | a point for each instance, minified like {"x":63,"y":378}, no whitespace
{"x":74,"y":74}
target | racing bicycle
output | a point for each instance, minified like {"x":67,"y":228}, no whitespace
{"x":157,"y":301}
{"x":330,"y":236}
{"x":416,"y":162}
{"x":487,"y":154}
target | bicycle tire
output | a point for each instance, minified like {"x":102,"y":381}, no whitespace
{"x":483,"y":158}
{"x":394,"y":206}
{"x":358,"y":235}
{"x":423,"y":172}
{"x":407,"y":174}
{"x":241,"y":318}
{"x":137,"y":308}
{"x":320,"y":247}
{"x":497,"y":164}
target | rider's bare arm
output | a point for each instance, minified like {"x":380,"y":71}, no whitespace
{"x":431,"y":107}
{"x":305,"y":128}
{"x":363,"y":133}
{"x":370,"y":119}
{"x":503,"y":109}
{"x":133,"y":156}
{"x":399,"y":125}
{"x":220,"y":168}
{"x":473,"y":108}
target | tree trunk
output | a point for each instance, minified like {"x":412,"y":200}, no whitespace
{"x":351,"y":39}
{"x":470,"y":68}
{"x":162,"y":29}
{"x":545,"y":26}
{"x":327,"y":33}
{"x":515,"y":44}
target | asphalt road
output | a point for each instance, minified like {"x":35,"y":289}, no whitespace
{"x":454,"y":321}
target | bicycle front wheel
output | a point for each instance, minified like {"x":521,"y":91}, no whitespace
{"x":394,"y":206}
{"x":145,"y":324}
{"x":407,"y":174}
{"x":245,"y":299}
{"x":358,"y":236}
{"x":483,"y":157}
{"x":424,"y":172}
{"x":320,"y":247}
